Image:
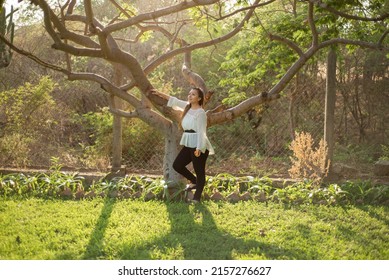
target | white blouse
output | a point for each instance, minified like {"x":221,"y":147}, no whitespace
{"x":194,"y":120}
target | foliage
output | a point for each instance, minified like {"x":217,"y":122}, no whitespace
{"x":308,"y":162}
{"x":256,"y":61}
{"x":70,"y":185}
{"x":385,"y":152}
{"x":136,"y":136}
{"x":20,"y":104}
{"x":15,"y":149}
{"x":23,"y":112}
{"x":53,"y":184}
{"x":353,"y":154}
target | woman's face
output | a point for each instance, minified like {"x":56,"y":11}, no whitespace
{"x":193,"y":97}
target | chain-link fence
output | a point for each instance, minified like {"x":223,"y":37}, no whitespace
{"x":258,"y":142}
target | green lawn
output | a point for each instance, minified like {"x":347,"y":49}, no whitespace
{"x":127,"y":229}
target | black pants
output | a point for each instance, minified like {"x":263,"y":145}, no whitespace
{"x":186,"y":156}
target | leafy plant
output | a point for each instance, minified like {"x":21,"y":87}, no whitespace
{"x":56,"y":181}
{"x":59,"y":184}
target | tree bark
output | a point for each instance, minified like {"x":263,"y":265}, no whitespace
{"x":172,"y":140}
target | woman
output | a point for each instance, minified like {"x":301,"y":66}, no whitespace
{"x":194,"y":139}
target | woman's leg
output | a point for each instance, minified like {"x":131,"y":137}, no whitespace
{"x":199,"y":167}
{"x":182,"y":160}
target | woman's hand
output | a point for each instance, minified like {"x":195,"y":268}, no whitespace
{"x":197,"y":153}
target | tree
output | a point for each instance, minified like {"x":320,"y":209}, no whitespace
{"x":6,"y":30}
{"x":77,"y":32}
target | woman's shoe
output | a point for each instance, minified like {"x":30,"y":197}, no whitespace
{"x":190,"y":187}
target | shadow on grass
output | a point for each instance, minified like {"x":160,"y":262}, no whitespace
{"x":373,"y":213}
{"x":95,"y":247}
{"x":194,"y":235}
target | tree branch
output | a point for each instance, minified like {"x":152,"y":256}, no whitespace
{"x":342,"y":41}
{"x":156,"y":14}
{"x":89,"y":16}
{"x":158,"y":61}
{"x":381,"y":40}
{"x":325,"y":6}
{"x":124,"y":114}
{"x":245,"y":9}
{"x":33,"y":57}
{"x":97,"y":25}
{"x":120,"y":112}
{"x":58,"y":44}
{"x":107,"y":86}
{"x":287,"y":42}
{"x":71,"y":6}
{"x":315,"y":35}
{"x":274,"y":93}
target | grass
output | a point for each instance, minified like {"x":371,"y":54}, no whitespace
{"x":129,"y":229}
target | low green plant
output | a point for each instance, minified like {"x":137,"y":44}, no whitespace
{"x":57,"y":180}
{"x":59,"y":184}
{"x":223,"y":183}
{"x":365,"y":192}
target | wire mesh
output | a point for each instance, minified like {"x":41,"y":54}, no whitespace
{"x":258,"y":142}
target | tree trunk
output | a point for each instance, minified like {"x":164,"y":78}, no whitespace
{"x":172,"y":140}
{"x":330,"y":106}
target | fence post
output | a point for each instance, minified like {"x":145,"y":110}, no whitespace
{"x":117,"y":125}
{"x":330,"y":99}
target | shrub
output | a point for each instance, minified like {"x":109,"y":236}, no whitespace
{"x":25,"y":121}
{"x":308,"y":162}
{"x":140,"y":141}
{"x":14,"y":149}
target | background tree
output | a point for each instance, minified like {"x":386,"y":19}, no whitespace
{"x":7,"y":29}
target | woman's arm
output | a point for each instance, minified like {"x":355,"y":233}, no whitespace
{"x":201,"y":132}
{"x":176,"y":103}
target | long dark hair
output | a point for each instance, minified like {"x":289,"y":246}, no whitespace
{"x":201,"y":101}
